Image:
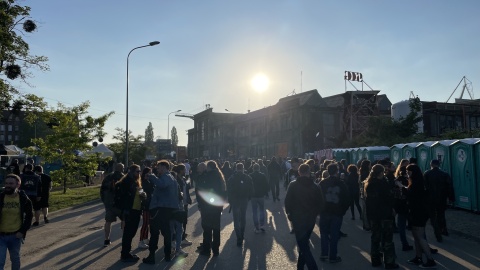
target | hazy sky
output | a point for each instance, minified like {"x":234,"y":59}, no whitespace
{"x":211,"y":50}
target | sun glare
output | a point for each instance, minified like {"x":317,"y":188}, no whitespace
{"x":260,"y":82}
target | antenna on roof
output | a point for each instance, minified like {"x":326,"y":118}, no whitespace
{"x":291,"y":93}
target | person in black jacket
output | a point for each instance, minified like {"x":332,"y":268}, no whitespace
{"x":439,"y":188}
{"x":148,"y":188}
{"x":13,"y":230}
{"x":335,"y":192}
{"x":240,"y":190}
{"x":107,"y":195}
{"x":213,"y":192}
{"x":260,"y":187}
{"x":274,"y":176}
{"x":128,"y":198}
{"x":32,"y":185}
{"x":353,"y":190}
{"x":379,"y":201}
{"x":303,"y":202}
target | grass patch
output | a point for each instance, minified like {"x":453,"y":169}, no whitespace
{"x":73,"y":197}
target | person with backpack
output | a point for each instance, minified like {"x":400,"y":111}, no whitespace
{"x":107,"y":195}
{"x":239,"y":190}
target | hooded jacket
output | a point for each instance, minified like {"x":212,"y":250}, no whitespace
{"x":303,"y":202}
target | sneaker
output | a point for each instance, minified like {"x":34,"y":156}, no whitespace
{"x":416,"y":261}
{"x":35,"y":224}
{"x":407,"y":248}
{"x":323,"y":258}
{"x":46,"y":220}
{"x":106,"y":243}
{"x":336,"y":260}
{"x":429,"y":264}
{"x":391,"y":266}
{"x":129,"y":258}
{"x":142,"y":245}
{"x":185,"y":242}
{"x":433,"y":250}
{"x":181,"y":253}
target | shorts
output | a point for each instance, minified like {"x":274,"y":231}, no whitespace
{"x":44,"y":201}
{"x":35,"y":204}
{"x":112,"y":213}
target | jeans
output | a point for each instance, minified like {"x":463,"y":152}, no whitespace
{"x":177,"y":229}
{"x":132,"y":219}
{"x":13,"y":244}
{"x":160,"y":221}
{"x":330,"y":233}
{"x":421,"y":244}
{"x":402,"y":225}
{"x":355,"y":201}
{"x":258,"y":204}
{"x":382,"y":232}
{"x":239,"y":210}
{"x":305,"y":256}
{"x":365,"y":221}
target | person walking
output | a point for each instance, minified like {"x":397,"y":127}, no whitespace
{"x":274,"y":174}
{"x":335,"y":192}
{"x":214,"y":193}
{"x":148,"y":188}
{"x":15,"y":220}
{"x":32,"y":185}
{"x":440,"y":189}
{"x":260,"y":187}
{"x":364,"y":172}
{"x":240,"y":190}
{"x":46,"y":188}
{"x":107,"y":195}
{"x":400,"y":206}
{"x":353,"y":190}
{"x":418,"y":211}
{"x":303,"y":202}
{"x":380,"y":213}
{"x":128,"y":198}
{"x":163,"y":202}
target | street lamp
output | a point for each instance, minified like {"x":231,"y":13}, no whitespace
{"x":168,"y":123}
{"x":153,"y":43}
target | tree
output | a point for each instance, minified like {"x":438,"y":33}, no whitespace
{"x":174,"y":136}
{"x":72,"y":131}
{"x":136,"y":149}
{"x":15,"y":58}
{"x":149,"y":143}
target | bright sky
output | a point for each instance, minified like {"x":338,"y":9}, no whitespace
{"x":211,"y":50}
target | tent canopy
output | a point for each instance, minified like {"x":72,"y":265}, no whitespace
{"x":10,"y":150}
{"x":103,"y":150}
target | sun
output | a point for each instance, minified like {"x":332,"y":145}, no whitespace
{"x":260,"y":82}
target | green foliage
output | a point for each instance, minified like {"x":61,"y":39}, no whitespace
{"x":174,"y":136}
{"x":72,"y":197}
{"x":136,"y":149}
{"x":15,"y":58}
{"x":72,"y":130}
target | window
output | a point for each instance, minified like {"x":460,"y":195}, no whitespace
{"x":2,"y":127}
{"x":16,"y":128}
{"x":17,"y":138}
{"x":2,"y":138}
{"x":17,"y":119}
{"x":203,"y":131}
{"x":9,"y":127}
{"x":9,"y":138}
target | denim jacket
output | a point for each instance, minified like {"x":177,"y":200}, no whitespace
{"x":165,"y":193}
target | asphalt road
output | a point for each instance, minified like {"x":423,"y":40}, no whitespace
{"x":74,"y":240}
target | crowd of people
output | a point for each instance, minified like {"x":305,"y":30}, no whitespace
{"x":388,"y":199}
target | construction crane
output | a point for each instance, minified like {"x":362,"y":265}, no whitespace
{"x":467,"y":85}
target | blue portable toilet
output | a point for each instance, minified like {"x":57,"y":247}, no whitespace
{"x":396,"y":153}
{"x":463,"y":173}
{"x":374,"y":153}
{"x":441,"y":151}
{"x":408,"y":150}
{"x":424,"y":155}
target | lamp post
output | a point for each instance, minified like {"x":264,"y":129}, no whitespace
{"x":168,"y":123}
{"x":153,"y":43}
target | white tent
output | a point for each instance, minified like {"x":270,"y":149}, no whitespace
{"x":103,"y":150}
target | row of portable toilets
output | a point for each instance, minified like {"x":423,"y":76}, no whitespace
{"x":460,"y":158}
